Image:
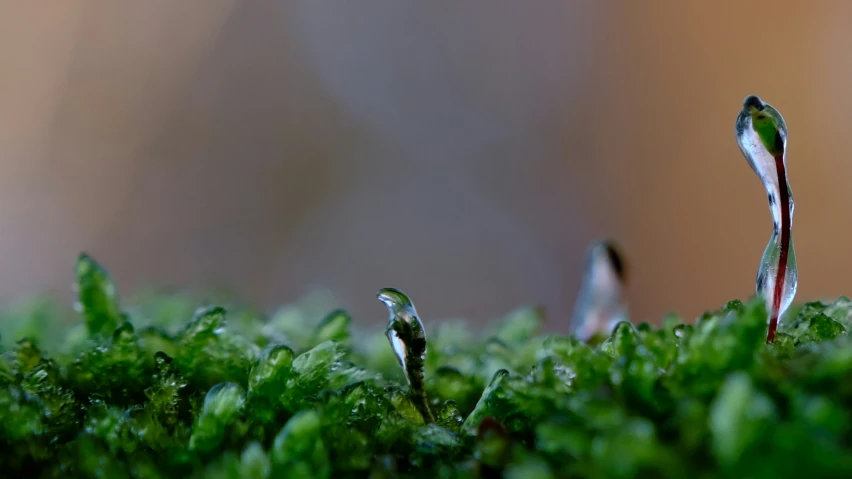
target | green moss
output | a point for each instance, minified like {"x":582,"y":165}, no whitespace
{"x":158,"y":388}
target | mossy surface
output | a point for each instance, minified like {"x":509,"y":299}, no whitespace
{"x":159,"y":388}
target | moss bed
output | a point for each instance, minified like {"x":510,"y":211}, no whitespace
{"x":163,"y":388}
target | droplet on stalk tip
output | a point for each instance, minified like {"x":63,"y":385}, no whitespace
{"x":600,"y":304}
{"x":408,"y":341}
{"x":762,"y":137}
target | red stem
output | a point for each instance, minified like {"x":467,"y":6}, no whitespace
{"x":784,"y":245}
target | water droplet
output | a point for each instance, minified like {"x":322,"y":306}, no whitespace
{"x":450,"y":417}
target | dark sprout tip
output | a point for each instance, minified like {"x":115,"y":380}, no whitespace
{"x":616,"y":259}
{"x":600,"y":303}
{"x":753,"y":101}
{"x":84,"y":261}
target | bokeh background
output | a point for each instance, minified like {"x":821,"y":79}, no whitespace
{"x":466,"y":153}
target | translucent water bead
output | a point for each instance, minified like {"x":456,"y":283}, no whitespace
{"x":408,"y":340}
{"x":762,"y":137}
{"x":600,"y":303}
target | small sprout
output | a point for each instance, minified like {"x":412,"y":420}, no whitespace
{"x":449,"y":383}
{"x":600,"y":303}
{"x":97,"y":297}
{"x":268,"y":377}
{"x":155,"y":340}
{"x":485,"y":404}
{"x":408,"y":341}
{"x":521,"y":324}
{"x":206,"y":322}
{"x":682,"y":331}
{"x":762,"y":137}
{"x":738,"y":417}
{"x":163,"y":363}
{"x":335,"y":326}
{"x":622,"y":342}
{"x":124,"y":332}
{"x":26,"y":356}
{"x":433,"y":440}
{"x":255,"y":462}
{"x":222,"y":405}
{"x":299,"y":450}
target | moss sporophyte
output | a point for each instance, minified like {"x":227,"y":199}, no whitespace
{"x":762,"y":137}
{"x":408,"y":341}
{"x":600,"y":303}
{"x":157,"y":387}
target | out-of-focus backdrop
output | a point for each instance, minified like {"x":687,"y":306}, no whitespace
{"x":465,"y":153}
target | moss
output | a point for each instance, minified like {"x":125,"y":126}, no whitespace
{"x":156,"y":390}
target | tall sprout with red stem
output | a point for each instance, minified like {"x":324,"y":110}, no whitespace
{"x":600,"y":304}
{"x":762,"y":137}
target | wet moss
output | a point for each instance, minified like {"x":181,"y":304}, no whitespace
{"x":157,"y":390}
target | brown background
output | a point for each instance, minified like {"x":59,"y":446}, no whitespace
{"x":466,"y":153}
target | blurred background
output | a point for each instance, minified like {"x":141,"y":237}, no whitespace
{"x":466,"y":153}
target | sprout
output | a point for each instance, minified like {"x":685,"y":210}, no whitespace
{"x":97,"y":298}
{"x":762,"y":137}
{"x":600,"y":304}
{"x":408,"y":340}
